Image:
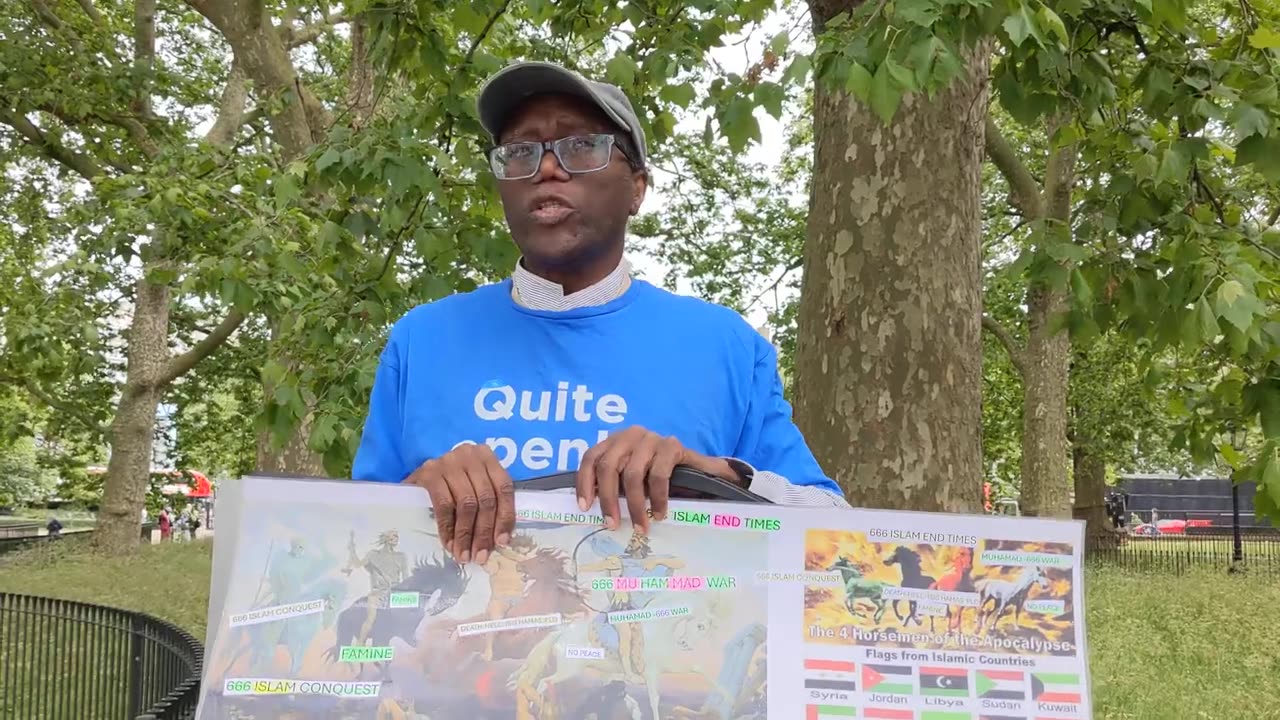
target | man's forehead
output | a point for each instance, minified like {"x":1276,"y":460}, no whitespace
{"x":554,"y":111}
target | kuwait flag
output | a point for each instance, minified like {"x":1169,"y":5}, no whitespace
{"x":944,"y":681}
{"x":1000,"y":684}
{"x":1055,"y":687}
{"x":888,"y":714}
{"x":829,"y":675}
{"x":831,"y":712}
{"x":889,"y":679}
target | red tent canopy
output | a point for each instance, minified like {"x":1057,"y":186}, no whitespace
{"x":202,"y":488}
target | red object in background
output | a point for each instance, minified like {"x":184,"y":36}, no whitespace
{"x":986,"y":496}
{"x":202,"y":488}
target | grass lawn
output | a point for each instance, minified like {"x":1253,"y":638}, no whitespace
{"x":1191,"y":647}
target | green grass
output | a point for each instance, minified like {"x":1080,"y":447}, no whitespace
{"x":1200,"y":646}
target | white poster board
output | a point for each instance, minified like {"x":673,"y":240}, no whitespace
{"x":335,"y":600}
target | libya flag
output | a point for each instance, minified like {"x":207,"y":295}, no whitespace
{"x":1000,"y":684}
{"x":944,"y":681}
{"x":1055,"y":687}
{"x":888,"y":679}
{"x":945,"y":715}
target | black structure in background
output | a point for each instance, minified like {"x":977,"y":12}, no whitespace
{"x":1177,"y":498}
{"x":61,"y":659}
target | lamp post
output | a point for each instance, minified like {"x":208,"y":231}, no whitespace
{"x":1237,"y":547}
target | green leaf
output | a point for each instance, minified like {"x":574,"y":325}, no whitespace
{"x":1230,"y":291}
{"x":1265,"y":39}
{"x":1269,"y":410}
{"x":1231,"y":455}
{"x":739,"y":124}
{"x":1208,"y":320}
{"x":1237,"y":305}
{"x":885,"y":98}
{"x":1080,"y":288}
{"x":329,"y":157}
{"x":780,"y":42}
{"x":858,"y":82}
{"x":678,"y":94}
{"x":1174,"y":167}
{"x":1271,"y":476}
{"x":904,"y":77}
{"x":770,"y":96}
{"x":1050,"y":20}
{"x":1019,"y":26}
{"x":1249,"y":120}
{"x":1262,"y":153}
{"x":621,"y":69}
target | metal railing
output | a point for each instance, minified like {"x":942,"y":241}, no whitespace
{"x":61,"y":659}
{"x":1254,"y":549}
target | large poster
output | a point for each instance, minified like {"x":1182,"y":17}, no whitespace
{"x":336,"y":600}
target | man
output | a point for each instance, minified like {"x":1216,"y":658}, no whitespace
{"x":570,"y":364}
{"x":507,"y":583}
{"x":387,"y":567}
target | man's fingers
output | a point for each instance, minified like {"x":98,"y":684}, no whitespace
{"x":586,"y":477}
{"x":505,"y":492}
{"x":486,"y":510}
{"x":465,"y":504}
{"x":608,"y":472}
{"x":633,"y":476}
{"x":664,"y":464}
{"x":428,"y":477}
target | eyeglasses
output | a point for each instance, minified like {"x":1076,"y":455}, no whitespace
{"x":578,"y":154}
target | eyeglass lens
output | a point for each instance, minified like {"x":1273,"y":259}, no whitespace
{"x":577,"y":154}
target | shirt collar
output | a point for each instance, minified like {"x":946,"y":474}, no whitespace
{"x":537,"y":293}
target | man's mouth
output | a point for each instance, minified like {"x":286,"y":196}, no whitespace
{"x":550,"y":211}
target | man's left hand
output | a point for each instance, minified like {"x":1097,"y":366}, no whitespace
{"x":639,"y":461}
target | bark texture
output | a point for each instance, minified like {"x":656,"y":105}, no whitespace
{"x":1090,"y":477}
{"x":888,"y":359}
{"x":132,"y":428}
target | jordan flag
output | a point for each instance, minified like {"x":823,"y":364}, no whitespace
{"x":1055,"y":687}
{"x":888,"y":679}
{"x":1000,"y":684}
{"x":944,"y":681}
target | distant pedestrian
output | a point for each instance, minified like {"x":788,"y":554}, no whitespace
{"x":166,"y":525}
{"x":54,"y":527}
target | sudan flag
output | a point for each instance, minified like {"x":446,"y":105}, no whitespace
{"x":1055,"y":687}
{"x":1000,"y":684}
{"x":888,"y":679}
{"x":944,"y":681}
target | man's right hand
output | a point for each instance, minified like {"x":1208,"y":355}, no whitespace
{"x":473,"y":498}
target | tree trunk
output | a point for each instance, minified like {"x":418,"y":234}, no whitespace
{"x":1046,"y":484}
{"x":1090,"y":477}
{"x":131,"y":433}
{"x":889,"y":351}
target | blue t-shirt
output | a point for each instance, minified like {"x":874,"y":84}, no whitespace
{"x":541,"y":387}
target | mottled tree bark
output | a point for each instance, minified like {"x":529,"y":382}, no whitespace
{"x":888,"y":358}
{"x":1090,"y":477}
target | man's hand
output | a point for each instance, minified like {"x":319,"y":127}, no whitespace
{"x":641,"y":462}
{"x":473,"y":499}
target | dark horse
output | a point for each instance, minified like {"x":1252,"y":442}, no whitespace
{"x":908,"y":561}
{"x":439,"y":583}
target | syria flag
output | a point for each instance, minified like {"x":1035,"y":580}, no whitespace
{"x":830,"y":675}
{"x":944,"y":681}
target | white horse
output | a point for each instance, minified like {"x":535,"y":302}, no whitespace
{"x":675,"y":645}
{"x":1006,"y":593}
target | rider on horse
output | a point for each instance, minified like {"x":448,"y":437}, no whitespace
{"x":386,"y":566}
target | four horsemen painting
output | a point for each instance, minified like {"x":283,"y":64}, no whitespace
{"x":991,"y":596}
{"x":564,"y":622}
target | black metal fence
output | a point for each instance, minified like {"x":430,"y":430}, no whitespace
{"x":63,"y":659}
{"x":1254,"y":550}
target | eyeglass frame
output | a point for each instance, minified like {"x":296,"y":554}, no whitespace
{"x":545,"y":145}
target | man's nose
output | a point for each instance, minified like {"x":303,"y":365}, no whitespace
{"x":550,"y":167}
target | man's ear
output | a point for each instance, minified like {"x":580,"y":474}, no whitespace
{"x":640,"y":183}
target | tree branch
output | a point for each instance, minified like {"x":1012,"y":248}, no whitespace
{"x":297,"y":37}
{"x":68,"y":409}
{"x":230,"y":108}
{"x":81,"y":164}
{"x":1025,"y":193}
{"x":91,"y":11}
{"x":180,"y":364}
{"x":1010,"y":345}
{"x":144,"y":55}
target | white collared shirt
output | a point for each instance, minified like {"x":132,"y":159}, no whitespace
{"x":538,"y":293}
